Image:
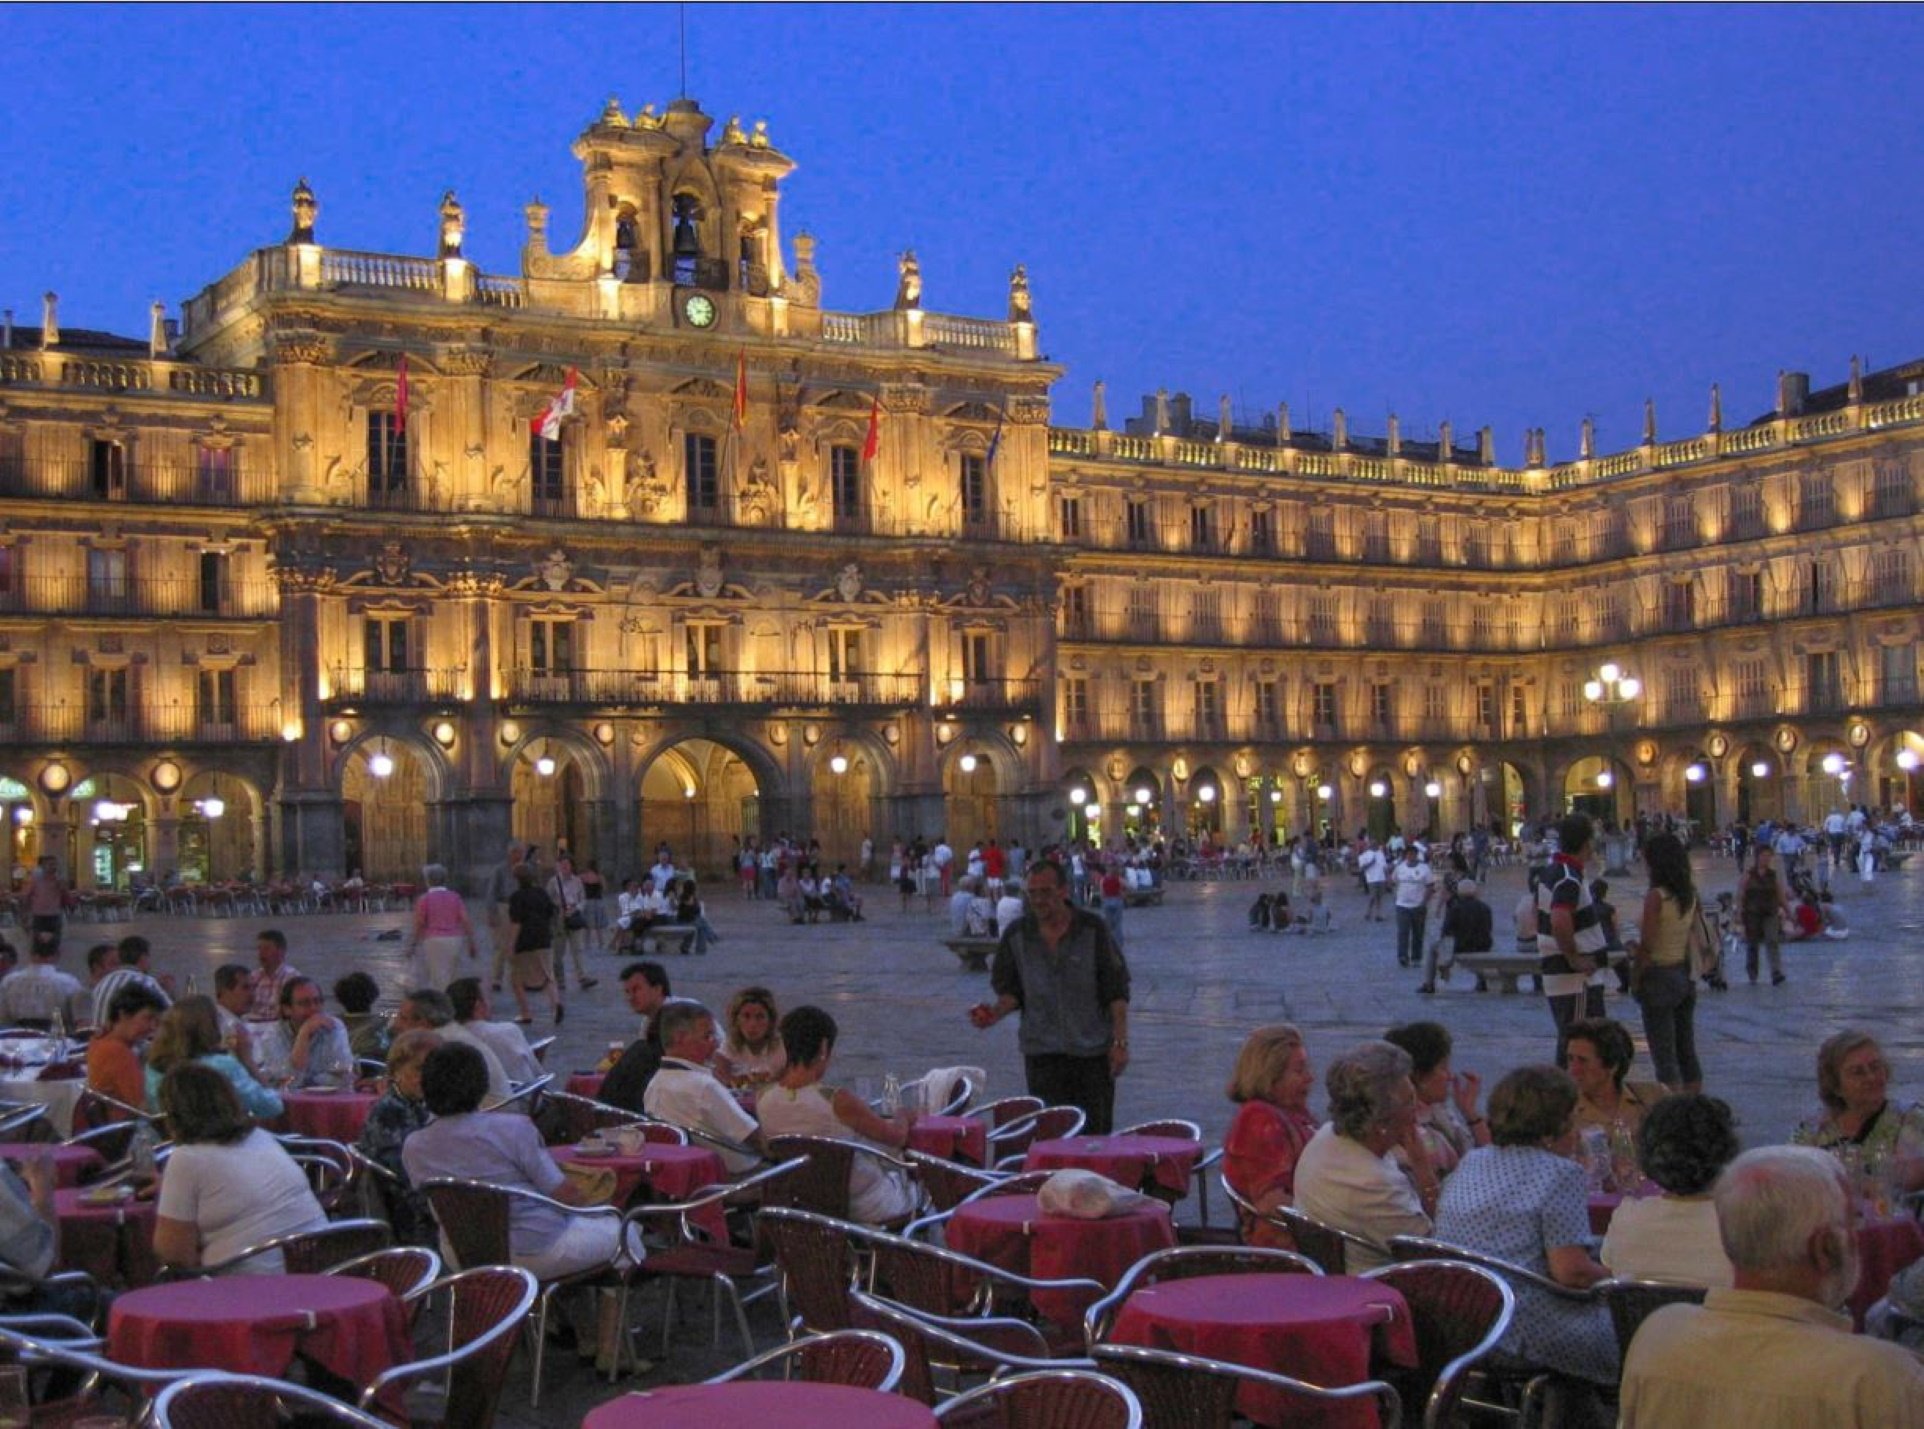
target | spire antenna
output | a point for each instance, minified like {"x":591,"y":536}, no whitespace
{"x":682,"y":13}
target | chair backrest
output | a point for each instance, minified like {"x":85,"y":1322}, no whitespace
{"x":1052,"y":1123}
{"x":1461,"y":1313}
{"x":1173,"y":1126}
{"x":1188,"y":1389}
{"x":1007,"y":1109}
{"x":924,"y":1277}
{"x":1411,"y":1247}
{"x":859,"y":1358}
{"x":821,"y":1185}
{"x":817,"y":1262}
{"x":319,"y":1251}
{"x":947,"y":1182}
{"x":474,"y":1220}
{"x":1184,"y":1262}
{"x":957,"y":1345}
{"x":961,"y":1093}
{"x":113,"y":1141}
{"x":1049,"y":1399}
{"x":236,"y":1401}
{"x":1630,"y":1302}
{"x":25,"y":1124}
{"x":485,"y":1309}
{"x":1324,"y":1244}
{"x":404,"y":1269}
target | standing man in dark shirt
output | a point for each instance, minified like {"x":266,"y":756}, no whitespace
{"x":1062,"y":970}
{"x":1467,"y":923}
{"x":531,"y":920}
{"x":1570,"y":937}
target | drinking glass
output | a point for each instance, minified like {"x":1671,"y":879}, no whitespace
{"x":16,"y":1411}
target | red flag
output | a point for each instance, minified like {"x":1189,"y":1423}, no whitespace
{"x":401,"y":394}
{"x":872,"y":443}
{"x":741,"y":389}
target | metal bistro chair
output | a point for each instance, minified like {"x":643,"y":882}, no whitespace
{"x":935,"y":1281}
{"x":955,"y":1346}
{"x":1186,"y":1262}
{"x":822,"y":1184}
{"x":1009,"y":1144}
{"x":863,"y":1359}
{"x":1323,"y":1243}
{"x":485,"y":1308}
{"x":310,"y":1252}
{"x":1182,"y":1130}
{"x":404,"y":1269}
{"x":1048,"y":1399}
{"x":62,"y":1343}
{"x":946,"y":1182}
{"x":1631,"y":1302}
{"x":1460,"y":1313}
{"x":245,"y":1401}
{"x":1178,"y":1389}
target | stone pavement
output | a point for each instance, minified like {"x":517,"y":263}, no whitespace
{"x":1201,"y":982}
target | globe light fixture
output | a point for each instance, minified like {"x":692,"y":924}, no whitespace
{"x":1833,"y":764}
{"x":1433,"y":790}
{"x":1142,"y":795}
{"x":1907,"y":760}
{"x":1275,"y":796}
{"x":544,"y":766}
{"x":1605,"y":779}
{"x":213,"y":808}
{"x":1325,"y":793}
{"x":1760,"y":770}
{"x":1078,"y":796}
{"x":1207,"y":793}
{"x":1695,"y":773}
{"x":968,"y":763}
{"x":381,"y":765}
{"x":1378,"y":789}
{"x":838,"y":763}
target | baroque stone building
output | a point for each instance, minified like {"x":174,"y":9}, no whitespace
{"x":380,"y":558}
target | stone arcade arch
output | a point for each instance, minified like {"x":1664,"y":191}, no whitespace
{"x":220,"y":835}
{"x":699,"y":795}
{"x":387,"y":780}
{"x":1600,"y":787}
{"x":108,"y":829}
{"x":558,"y":779}
{"x":849,"y":775}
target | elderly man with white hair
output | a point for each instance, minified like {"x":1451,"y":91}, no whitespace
{"x":1776,"y":1351}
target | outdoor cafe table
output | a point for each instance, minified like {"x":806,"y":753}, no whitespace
{"x":756,"y":1404}
{"x":1323,"y":1329}
{"x":256,"y":1324}
{"x":71,"y":1164}
{"x":327,"y":1115}
{"x":1012,"y":1232}
{"x":673,"y":1173}
{"x":1137,"y":1162}
{"x":953,"y":1138}
{"x":585,"y":1084}
{"x":112,"y":1241}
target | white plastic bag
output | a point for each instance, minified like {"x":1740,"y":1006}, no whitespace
{"x":1086,"y":1196}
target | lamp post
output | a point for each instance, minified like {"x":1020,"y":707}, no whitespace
{"x":1611,"y":688}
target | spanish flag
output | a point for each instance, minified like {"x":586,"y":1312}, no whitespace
{"x":872,"y":443}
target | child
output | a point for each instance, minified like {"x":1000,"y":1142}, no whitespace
{"x":1259,"y":914}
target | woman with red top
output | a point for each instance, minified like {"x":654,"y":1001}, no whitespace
{"x":1272,"y":1082}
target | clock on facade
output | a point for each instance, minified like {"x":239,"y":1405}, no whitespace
{"x":699,"y":309}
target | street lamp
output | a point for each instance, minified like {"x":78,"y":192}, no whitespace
{"x":1611,"y":688}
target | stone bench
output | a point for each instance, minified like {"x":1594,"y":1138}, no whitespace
{"x":665,"y":938}
{"x":1143,"y":897}
{"x":1506,"y":968}
{"x":974,"y":952}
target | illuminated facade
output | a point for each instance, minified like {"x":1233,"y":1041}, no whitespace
{"x":260,"y":613}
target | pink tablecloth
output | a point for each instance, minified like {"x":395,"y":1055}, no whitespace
{"x":1010,"y":1232}
{"x":329,"y":1116}
{"x":113,"y":1243}
{"x":257,"y":1324}
{"x":585,"y":1084}
{"x":1137,"y":1162}
{"x":673,"y":1173}
{"x":71,"y":1164}
{"x":750,"y":1404}
{"x":1884,"y":1247}
{"x":953,"y":1138}
{"x":1324,"y":1329}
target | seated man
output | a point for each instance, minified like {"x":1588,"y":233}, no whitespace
{"x":233,"y":998}
{"x":645,"y":984}
{"x":425,"y":1010}
{"x":959,"y":902}
{"x":844,"y":904}
{"x":39,"y":993}
{"x":1776,"y":1350}
{"x":507,"y":1041}
{"x":306,"y":1047}
{"x":686,"y":1093}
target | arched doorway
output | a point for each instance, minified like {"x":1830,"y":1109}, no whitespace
{"x":1600,"y":789}
{"x":1760,"y":787}
{"x":1830,"y":776}
{"x":550,"y":789}
{"x":1379,"y":815}
{"x":843,"y":790}
{"x":218,"y":822}
{"x":971,"y":802}
{"x":1264,"y":796}
{"x":1499,"y":798}
{"x":1085,"y":808}
{"x":698,"y":797}
{"x":110,"y":831}
{"x":1699,"y":795}
{"x":384,"y":812}
{"x":1895,"y":773}
{"x":1206,"y":807}
{"x":20,"y":819}
{"x":1142,"y":814}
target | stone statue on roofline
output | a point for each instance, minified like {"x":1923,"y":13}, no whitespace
{"x":1019,"y":308}
{"x":908,"y":290}
{"x":306,"y":208}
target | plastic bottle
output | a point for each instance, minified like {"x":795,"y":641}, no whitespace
{"x":141,"y":1154}
{"x":891,"y":1094}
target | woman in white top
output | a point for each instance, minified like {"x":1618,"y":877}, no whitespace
{"x":228,"y":1185}
{"x":1683,"y":1144}
{"x":799,"y":1105}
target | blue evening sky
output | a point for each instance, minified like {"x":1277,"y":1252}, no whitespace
{"x":1506,"y":215}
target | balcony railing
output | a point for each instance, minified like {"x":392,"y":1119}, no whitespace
{"x":395,"y":687}
{"x":164,"y":484}
{"x":170,"y":724}
{"x":180,"y":596}
{"x":631,"y":688}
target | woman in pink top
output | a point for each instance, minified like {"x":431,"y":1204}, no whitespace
{"x":441,"y":930}
{"x":1272,"y":1082}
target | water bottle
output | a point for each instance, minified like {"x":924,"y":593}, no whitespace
{"x":193,"y":985}
{"x":891,"y":1094}
{"x":141,"y":1154}
{"x":1596,"y":1157}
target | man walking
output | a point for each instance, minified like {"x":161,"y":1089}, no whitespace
{"x":1061,"y":969}
{"x":46,"y":902}
{"x":1375,"y":869}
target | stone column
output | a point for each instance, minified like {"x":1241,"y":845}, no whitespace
{"x":312,"y":837}
{"x":297,"y":378}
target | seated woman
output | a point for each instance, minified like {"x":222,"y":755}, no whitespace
{"x":1346,"y":1177}
{"x":307,"y":1047}
{"x":1859,"y":1123}
{"x":1446,"y":1114}
{"x":113,"y":1066}
{"x":228,"y":1185}
{"x":466,"y":1143}
{"x":1684,"y":1144}
{"x":390,"y":1122}
{"x":190,"y":1032}
{"x":751,"y":1052}
{"x":1598,"y":1053}
{"x":1524,"y":1200}
{"x":799,"y":1105}
{"x":1270,"y":1085}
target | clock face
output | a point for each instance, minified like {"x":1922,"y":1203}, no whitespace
{"x":699,"y":309}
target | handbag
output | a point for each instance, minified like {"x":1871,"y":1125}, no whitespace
{"x":1700,"y":948}
{"x":574,"y":922}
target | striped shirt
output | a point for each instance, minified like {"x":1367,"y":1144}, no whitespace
{"x":1562,"y":886}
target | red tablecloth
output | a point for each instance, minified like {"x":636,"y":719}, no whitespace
{"x":1323,"y":1329}
{"x":330,"y":1116}
{"x":71,"y":1164}
{"x":755,"y":1404}
{"x":257,"y":1324}
{"x":953,"y":1138}
{"x":112,"y":1243}
{"x":1884,"y":1247}
{"x":585,"y":1084}
{"x":673,"y":1173}
{"x":1010,"y":1232}
{"x":1132,"y":1161}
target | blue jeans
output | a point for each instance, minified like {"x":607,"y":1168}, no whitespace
{"x":1112,"y":915}
{"x":1409,"y":935}
{"x":1669,"y":1002}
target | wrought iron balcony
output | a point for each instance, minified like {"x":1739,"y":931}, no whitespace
{"x":615,"y":689}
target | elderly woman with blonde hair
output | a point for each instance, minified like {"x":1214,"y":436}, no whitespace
{"x":1879,"y":1139}
{"x":441,"y":931}
{"x":1271,"y":1084}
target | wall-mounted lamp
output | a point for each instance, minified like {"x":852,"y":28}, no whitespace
{"x":967,"y":763}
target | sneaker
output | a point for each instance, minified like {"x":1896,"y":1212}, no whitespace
{"x":1428,"y":987}
{"x":1778,"y":979}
